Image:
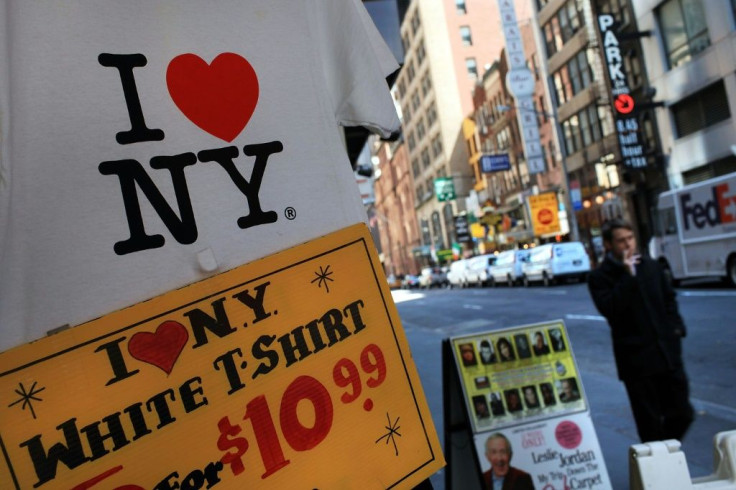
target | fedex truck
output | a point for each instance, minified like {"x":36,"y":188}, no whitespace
{"x":695,"y":234}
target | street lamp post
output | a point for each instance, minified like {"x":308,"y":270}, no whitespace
{"x":571,"y":218}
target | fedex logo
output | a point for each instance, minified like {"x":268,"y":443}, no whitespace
{"x":718,"y":210}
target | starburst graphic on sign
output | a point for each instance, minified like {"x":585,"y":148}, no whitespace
{"x":28,"y":397}
{"x":322,"y":277}
{"x":393,"y":431}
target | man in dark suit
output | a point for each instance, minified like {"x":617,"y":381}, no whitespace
{"x":638,"y":301}
{"x":503,"y":476}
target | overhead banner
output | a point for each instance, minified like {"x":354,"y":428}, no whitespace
{"x":544,"y":210}
{"x":527,"y":409}
{"x":283,"y":373}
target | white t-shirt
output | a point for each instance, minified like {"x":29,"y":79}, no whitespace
{"x":149,"y":144}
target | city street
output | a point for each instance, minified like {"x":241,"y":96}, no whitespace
{"x":429,"y":316}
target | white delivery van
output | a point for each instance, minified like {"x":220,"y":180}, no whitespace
{"x":695,"y":230}
{"x":456,"y":276}
{"x":552,"y":262}
{"x":479,"y":269}
{"x":508,"y":267}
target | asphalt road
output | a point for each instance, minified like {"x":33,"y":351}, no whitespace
{"x":430,"y":316}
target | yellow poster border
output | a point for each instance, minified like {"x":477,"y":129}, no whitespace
{"x":72,"y":339}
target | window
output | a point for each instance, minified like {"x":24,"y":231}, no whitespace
{"x":421,"y":131}
{"x":472,"y":67}
{"x":421,"y":52}
{"x":586,"y":127}
{"x":700,"y":110}
{"x":563,"y":26}
{"x":436,"y":146}
{"x":552,"y":37}
{"x":415,"y":22}
{"x":575,"y":76}
{"x":415,"y":167}
{"x":466,"y":36}
{"x":406,"y":112}
{"x":410,"y":72}
{"x":684,"y":31}
{"x":406,"y":43}
{"x":411,"y":141}
{"x":460,"y":7}
{"x":431,"y":115}
{"x":426,"y":84}
{"x":402,"y":88}
{"x":426,"y":161}
{"x":416,"y":102}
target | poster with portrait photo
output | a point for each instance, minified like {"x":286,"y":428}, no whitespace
{"x":557,"y":339}
{"x":531,"y":398}
{"x":553,"y":454}
{"x":467,"y":354}
{"x":518,"y":389}
{"x":522,"y":346}
{"x":487,"y":353}
{"x":505,"y":350}
{"x":539,"y":343}
{"x":480,"y":405}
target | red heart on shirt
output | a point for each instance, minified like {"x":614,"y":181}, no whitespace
{"x":161,"y":348}
{"x":220,"y":97}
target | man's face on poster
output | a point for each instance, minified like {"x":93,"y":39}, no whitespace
{"x":499,"y":455}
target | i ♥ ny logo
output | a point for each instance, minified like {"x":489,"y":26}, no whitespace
{"x":220,"y":97}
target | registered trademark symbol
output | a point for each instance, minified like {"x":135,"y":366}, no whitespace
{"x":290,"y":213}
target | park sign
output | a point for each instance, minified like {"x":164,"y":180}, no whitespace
{"x":444,"y":188}
{"x":283,"y":373}
{"x":627,"y":124}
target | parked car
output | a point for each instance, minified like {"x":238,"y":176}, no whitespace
{"x":457,"y":275}
{"x":507,"y":268}
{"x":431,"y":277}
{"x":553,"y":262}
{"x":394,"y":282}
{"x":410,"y":282}
{"x":479,"y":269}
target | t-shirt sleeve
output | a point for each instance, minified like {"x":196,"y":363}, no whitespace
{"x":355,"y":63}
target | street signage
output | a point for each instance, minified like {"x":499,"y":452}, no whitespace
{"x":444,"y":189}
{"x":520,"y":81}
{"x":520,"y":387}
{"x":283,"y":373}
{"x":576,"y":195}
{"x":462,"y":228}
{"x":627,"y":125}
{"x":544,"y":210}
{"x":495,"y":163}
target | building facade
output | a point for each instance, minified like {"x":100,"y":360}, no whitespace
{"x":503,"y":194}
{"x":690,"y":60}
{"x":393,"y":213}
{"x":446,"y":46}
{"x":580,"y":95}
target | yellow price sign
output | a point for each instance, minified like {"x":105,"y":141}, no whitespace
{"x":289,"y":372}
{"x":544,"y":213}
